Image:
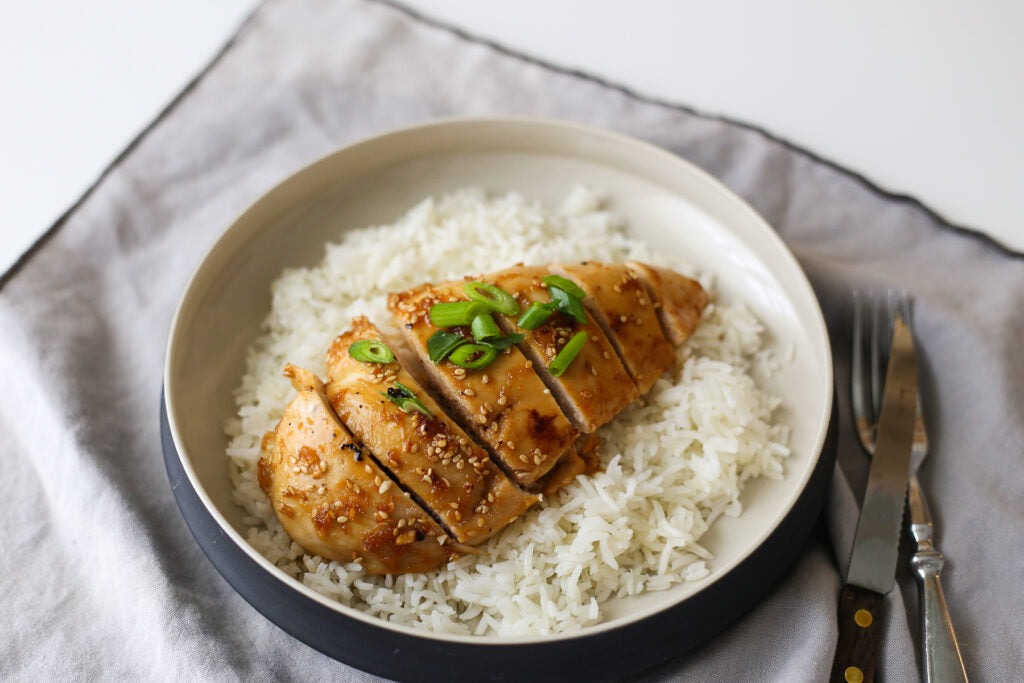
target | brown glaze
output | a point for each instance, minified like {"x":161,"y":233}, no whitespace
{"x":678,"y":299}
{"x":430,"y":456}
{"x":596,"y":387}
{"x":617,"y":300}
{"x":331,"y":504}
{"x":505,"y":405}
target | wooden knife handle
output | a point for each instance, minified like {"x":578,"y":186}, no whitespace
{"x":860,"y":632}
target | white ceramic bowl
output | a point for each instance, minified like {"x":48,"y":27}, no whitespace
{"x":664,"y":199}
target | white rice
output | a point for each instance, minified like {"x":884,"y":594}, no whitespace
{"x":674,"y":461}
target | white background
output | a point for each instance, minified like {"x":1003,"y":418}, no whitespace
{"x":924,"y":98}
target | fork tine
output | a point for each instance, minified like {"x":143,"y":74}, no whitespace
{"x":878,"y":353}
{"x":863,"y":414}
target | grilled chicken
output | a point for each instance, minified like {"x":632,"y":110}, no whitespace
{"x":678,"y":299}
{"x":407,"y":489}
{"x":505,"y":405}
{"x":617,"y":300}
{"x":334,"y":500}
{"x":595,"y":388}
{"x":430,"y":456}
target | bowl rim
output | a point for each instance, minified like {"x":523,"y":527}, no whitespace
{"x":568,"y":127}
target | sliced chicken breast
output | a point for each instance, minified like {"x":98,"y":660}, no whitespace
{"x":617,"y":300}
{"x":334,"y":501}
{"x":429,"y":455}
{"x":504,"y":404}
{"x":595,"y":387}
{"x":678,"y":299}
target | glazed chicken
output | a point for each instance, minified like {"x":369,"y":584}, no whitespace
{"x":518,"y":369}
{"x":505,"y":405}
{"x":618,"y":301}
{"x":336,"y":501}
{"x":430,"y":456}
{"x":595,"y":388}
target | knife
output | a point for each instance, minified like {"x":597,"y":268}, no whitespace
{"x":872,"y":570}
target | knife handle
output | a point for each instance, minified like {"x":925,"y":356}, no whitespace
{"x":860,"y":629}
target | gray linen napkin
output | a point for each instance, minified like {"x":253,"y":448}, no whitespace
{"x":100,"y":576}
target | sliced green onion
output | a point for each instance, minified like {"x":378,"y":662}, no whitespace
{"x":463,"y":356}
{"x":495,"y":297}
{"x":567,"y":354}
{"x":535,"y":315}
{"x":484,"y":328}
{"x":405,"y":399}
{"x":441,"y":343}
{"x":502,"y":343}
{"x":371,"y":351}
{"x":568,"y":304}
{"x":565,"y":285}
{"x":456,"y":313}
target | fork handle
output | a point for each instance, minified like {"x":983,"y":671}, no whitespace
{"x":860,"y":633}
{"x":942,"y":658}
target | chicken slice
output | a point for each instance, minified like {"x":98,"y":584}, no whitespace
{"x":617,"y":300}
{"x":334,"y":500}
{"x":678,"y":299}
{"x":431,"y":456}
{"x":504,"y":404}
{"x":595,"y":387}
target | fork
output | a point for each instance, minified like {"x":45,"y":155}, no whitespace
{"x":941,"y":653}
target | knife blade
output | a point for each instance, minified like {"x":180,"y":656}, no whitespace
{"x":872,"y":569}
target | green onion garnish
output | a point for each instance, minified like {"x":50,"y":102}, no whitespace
{"x":371,"y":351}
{"x":456,"y":313}
{"x":495,"y":297}
{"x":463,"y":356}
{"x":502,"y":343}
{"x":535,"y":315}
{"x":404,"y":398}
{"x":484,"y":328}
{"x":441,"y":343}
{"x":568,"y":304}
{"x":565,"y":285}
{"x":567,"y":354}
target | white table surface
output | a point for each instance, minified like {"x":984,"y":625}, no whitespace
{"x":922,"y":98}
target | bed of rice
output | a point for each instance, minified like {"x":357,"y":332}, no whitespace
{"x":674,"y":461}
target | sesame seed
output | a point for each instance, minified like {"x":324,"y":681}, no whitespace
{"x":342,"y":519}
{"x":622,"y":318}
{"x":502,"y":400}
{"x":485,"y":379}
{"x":593,"y":337}
{"x":536,"y":460}
{"x":384,"y":487}
{"x":547,"y":391}
{"x":479,"y":521}
{"x":469,"y":392}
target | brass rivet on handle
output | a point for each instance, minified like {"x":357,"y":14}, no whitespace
{"x":853,"y":675}
{"x":863,"y":618}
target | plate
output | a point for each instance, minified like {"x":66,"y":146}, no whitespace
{"x":666,"y":201}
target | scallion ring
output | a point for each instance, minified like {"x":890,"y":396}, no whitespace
{"x":441,"y":343}
{"x":564,"y":284}
{"x":568,"y":304}
{"x":484,"y":328}
{"x":495,"y":297}
{"x":456,"y":313}
{"x":567,"y":354}
{"x":371,"y":351}
{"x":535,"y":315}
{"x":405,"y":399}
{"x":473,"y":356}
